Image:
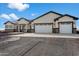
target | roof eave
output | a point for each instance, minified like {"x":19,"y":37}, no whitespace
{"x":75,"y":18}
{"x":23,"y":18}
{"x":7,"y":22}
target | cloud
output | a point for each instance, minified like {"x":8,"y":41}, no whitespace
{"x":11,"y":16}
{"x":5,"y":16}
{"x":18,"y":6}
{"x":33,"y":14}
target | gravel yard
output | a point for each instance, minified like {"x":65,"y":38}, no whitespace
{"x":39,"y":46}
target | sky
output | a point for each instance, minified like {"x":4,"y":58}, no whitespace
{"x":30,"y":11}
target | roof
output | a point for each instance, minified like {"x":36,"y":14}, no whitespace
{"x":23,"y":18}
{"x":46,"y":14}
{"x":17,"y":20}
{"x":9,"y":22}
{"x":75,"y":18}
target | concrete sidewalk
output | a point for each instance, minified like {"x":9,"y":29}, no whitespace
{"x":48,"y":35}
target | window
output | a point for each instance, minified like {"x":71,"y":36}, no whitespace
{"x":6,"y":26}
{"x":32,"y":27}
{"x":9,"y":27}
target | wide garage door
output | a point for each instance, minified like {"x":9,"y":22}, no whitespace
{"x":65,"y":28}
{"x":43,"y":28}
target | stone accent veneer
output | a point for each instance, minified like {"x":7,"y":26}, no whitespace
{"x":10,"y":30}
{"x":55,"y":30}
{"x":74,"y":30}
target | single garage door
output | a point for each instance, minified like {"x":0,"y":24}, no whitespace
{"x":43,"y":28}
{"x":65,"y":28}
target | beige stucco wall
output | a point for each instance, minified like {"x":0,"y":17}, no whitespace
{"x":49,"y":18}
{"x":22,"y":21}
{"x":9,"y":24}
{"x":27,"y":26}
{"x":65,"y":19}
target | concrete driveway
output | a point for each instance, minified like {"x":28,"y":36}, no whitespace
{"x":48,"y":35}
{"x":42,"y":46}
{"x":32,"y":44}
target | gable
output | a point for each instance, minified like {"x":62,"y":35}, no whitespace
{"x":22,"y":21}
{"x":65,"y":18}
{"x":48,"y":18}
{"x":9,"y":23}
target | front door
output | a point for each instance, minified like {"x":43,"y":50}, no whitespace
{"x":21,"y":28}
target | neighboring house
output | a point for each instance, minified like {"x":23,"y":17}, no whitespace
{"x":21,"y":25}
{"x":9,"y":26}
{"x":50,"y":22}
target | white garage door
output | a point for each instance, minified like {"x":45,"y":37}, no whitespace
{"x":66,"y":28}
{"x":44,"y":28}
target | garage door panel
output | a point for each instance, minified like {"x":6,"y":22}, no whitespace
{"x":65,"y":28}
{"x":43,"y":28}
